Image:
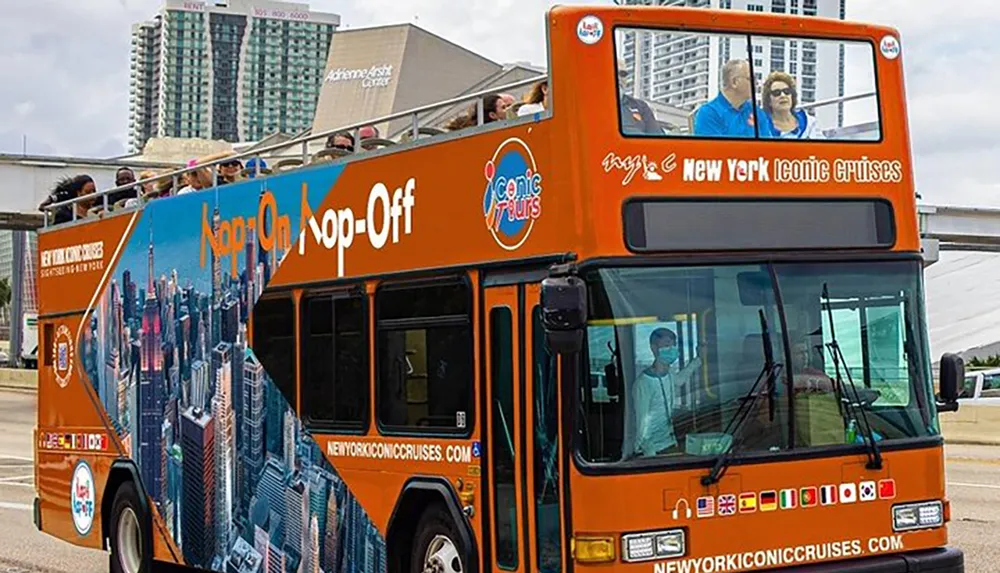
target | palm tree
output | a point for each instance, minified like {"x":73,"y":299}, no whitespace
{"x":990,"y":362}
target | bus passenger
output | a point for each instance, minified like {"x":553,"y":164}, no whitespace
{"x":636,"y":115}
{"x":535,"y":101}
{"x":229,"y":172}
{"x":124,"y":176}
{"x":731,"y":113}
{"x":653,"y":393}
{"x":343,"y":140}
{"x":808,"y":378}
{"x":71,"y":188}
{"x":195,"y":180}
{"x":494,"y":109}
{"x":780,"y":99}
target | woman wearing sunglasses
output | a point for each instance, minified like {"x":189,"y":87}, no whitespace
{"x":779,"y":100}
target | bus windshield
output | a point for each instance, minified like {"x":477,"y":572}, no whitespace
{"x":672,"y":352}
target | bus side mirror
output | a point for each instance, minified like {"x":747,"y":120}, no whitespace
{"x":564,"y":313}
{"x":952,"y":373}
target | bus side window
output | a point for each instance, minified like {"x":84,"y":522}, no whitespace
{"x":424,"y":357}
{"x":274,"y":341}
{"x":334,"y":355}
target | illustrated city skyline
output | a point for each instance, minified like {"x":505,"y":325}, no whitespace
{"x":242,"y":488}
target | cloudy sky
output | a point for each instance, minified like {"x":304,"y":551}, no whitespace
{"x":65,"y":64}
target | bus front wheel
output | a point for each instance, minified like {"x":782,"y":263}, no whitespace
{"x":437,"y":546}
{"x":130,"y":541}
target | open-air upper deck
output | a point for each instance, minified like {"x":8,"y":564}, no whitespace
{"x":663,"y":129}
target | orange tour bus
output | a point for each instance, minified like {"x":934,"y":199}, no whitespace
{"x":665,"y":316}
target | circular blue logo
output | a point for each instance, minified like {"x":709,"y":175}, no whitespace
{"x":513,"y":199}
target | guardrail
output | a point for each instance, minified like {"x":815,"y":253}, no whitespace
{"x":413,"y":114}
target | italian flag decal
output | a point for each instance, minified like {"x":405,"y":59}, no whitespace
{"x":788,"y":499}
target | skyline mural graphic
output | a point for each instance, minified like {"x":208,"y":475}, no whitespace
{"x":242,"y":487}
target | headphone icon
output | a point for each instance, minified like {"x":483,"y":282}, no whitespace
{"x":687,"y":508}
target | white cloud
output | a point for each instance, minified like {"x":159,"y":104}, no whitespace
{"x":949,"y":57}
{"x":24,"y":108}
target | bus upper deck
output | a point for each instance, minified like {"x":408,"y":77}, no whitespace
{"x":609,"y":333}
{"x":656,"y":102}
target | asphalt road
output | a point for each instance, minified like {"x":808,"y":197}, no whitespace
{"x":22,"y":547}
{"x":973,"y":474}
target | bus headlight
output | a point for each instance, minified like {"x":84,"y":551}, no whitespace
{"x":922,"y":515}
{"x":656,"y":545}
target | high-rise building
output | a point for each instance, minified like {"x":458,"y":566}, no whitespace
{"x":198,"y":475}
{"x":235,"y":70}
{"x":683,"y":70}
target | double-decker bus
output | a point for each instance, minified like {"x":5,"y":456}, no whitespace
{"x":673,"y":323}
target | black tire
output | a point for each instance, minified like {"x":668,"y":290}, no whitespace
{"x":436,"y":522}
{"x":127,"y":501}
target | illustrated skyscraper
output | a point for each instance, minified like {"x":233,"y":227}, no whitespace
{"x":198,"y":507}
{"x":225,"y":446}
{"x":237,"y":70}
{"x":253,"y":423}
{"x":151,"y":390}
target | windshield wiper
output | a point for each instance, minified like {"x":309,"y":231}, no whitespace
{"x":768,"y":375}
{"x":868,"y":436}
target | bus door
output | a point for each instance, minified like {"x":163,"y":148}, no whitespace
{"x":524,"y":460}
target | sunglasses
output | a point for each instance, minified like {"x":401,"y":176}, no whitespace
{"x":783,"y":91}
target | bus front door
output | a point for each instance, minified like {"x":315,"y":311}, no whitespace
{"x":523,"y":435}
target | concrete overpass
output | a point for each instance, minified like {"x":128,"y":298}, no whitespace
{"x":947,"y":228}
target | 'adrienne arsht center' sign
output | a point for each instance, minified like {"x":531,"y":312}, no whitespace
{"x":377,"y":76}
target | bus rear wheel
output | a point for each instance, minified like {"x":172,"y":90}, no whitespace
{"x":437,"y":548}
{"x":130,"y":542}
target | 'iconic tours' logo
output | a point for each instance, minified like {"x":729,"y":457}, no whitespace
{"x":62,"y":349}
{"x":82,"y":498}
{"x":513,"y":199}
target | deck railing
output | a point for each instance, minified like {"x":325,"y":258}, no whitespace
{"x":415,"y":131}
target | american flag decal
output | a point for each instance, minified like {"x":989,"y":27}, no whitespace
{"x":706,"y":506}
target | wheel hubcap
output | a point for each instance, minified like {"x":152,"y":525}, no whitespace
{"x":129,"y":547}
{"x":442,"y":556}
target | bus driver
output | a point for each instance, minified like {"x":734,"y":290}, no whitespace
{"x":653,"y":395}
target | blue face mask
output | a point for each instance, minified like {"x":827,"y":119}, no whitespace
{"x":668,"y":354}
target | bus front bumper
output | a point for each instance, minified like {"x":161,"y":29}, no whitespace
{"x":943,"y":560}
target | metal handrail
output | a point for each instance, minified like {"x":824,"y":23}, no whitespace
{"x":841,"y":99}
{"x":306,"y":139}
{"x":303,"y":140}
